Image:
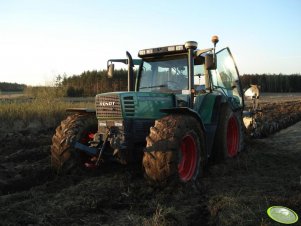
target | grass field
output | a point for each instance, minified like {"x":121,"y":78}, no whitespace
{"x":19,"y":110}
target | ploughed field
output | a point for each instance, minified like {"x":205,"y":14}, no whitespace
{"x":236,"y":192}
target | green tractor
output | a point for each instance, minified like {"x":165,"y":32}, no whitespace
{"x":184,"y":107}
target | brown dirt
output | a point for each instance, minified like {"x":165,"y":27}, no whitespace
{"x":236,"y":192}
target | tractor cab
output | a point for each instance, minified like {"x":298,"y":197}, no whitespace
{"x":187,"y":72}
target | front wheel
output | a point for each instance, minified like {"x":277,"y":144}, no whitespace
{"x":175,"y":149}
{"x":75,"y":128}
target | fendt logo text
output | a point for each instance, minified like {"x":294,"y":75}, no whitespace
{"x":106,"y":103}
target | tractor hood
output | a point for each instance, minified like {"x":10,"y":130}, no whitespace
{"x":138,"y":105}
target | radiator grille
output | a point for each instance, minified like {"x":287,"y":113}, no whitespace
{"x":108,"y":107}
{"x":129,"y":106}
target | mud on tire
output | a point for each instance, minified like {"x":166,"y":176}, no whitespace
{"x":175,"y":149}
{"x":75,"y":128}
{"x":229,"y":137}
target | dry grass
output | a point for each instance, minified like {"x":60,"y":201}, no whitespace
{"x":24,"y":111}
{"x":162,"y":216}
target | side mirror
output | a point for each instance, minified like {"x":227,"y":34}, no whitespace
{"x":210,"y":63}
{"x":110,"y":71}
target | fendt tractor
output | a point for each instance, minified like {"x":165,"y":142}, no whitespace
{"x":183,"y":108}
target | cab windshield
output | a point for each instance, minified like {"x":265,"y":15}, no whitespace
{"x":169,"y":75}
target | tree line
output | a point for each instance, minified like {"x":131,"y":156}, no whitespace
{"x":11,"y":87}
{"x":277,"y":83}
{"x":89,"y":83}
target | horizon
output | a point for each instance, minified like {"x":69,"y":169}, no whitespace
{"x":41,"y":40}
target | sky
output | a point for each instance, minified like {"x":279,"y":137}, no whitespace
{"x":40,"y":39}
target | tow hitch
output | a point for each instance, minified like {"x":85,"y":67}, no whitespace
{"x":88,"y":150}
{"x":94,"y":152}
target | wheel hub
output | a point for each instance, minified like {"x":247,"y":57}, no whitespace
{"x":188,"y":162}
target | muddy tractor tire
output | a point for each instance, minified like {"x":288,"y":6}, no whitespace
{"x":75,"y":128}
{"x":229,"y":137}
{"x":175,"y":149}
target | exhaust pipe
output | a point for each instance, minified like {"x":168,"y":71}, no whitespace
{"x":130,"y":72}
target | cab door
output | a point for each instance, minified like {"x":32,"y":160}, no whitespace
{"x":226,"y":78}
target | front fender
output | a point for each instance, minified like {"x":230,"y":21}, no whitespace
{"x":184,"y":110}
{"x":81,"y":110}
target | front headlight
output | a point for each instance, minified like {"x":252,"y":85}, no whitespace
{"x":118,"y":124}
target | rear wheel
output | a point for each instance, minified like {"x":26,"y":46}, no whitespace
{"x":229,"y":134}
{"x":175,"y":149}
{"x":76,"y":128}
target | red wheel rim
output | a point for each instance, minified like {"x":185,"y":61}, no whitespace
{"x":86,"y":137}
{"x":187,"y":165}
{"x":232,"y":137}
